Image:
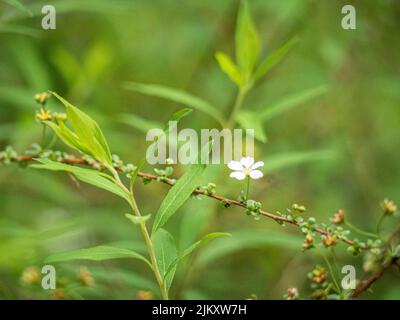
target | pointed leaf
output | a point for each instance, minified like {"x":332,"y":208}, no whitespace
{"x":93,"y":177}
{"x":274,"y":58}
{"x":177,"y":96}
{"x":99,"y":253}
{"x":88,"y":131}
{"x":178,"y":194}
{"x":294,"y":158}
{"x":195,"y":246}
{"x":229,"y":68}
{"x":292,"y":101}
{"x":166,"y":253}
{"x":247,"y":41}
{"x":139,"y":123}
{"x":251,"y":120}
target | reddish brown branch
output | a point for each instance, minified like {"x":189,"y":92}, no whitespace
{"x":367,"y":283}
{"x":276,"y":217}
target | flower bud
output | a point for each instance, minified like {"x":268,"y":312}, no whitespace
{"x":329,"y":240}
{"x":292,"y":293}
{"x":308,"y":242}
{"x":42,"y":97}
{"x":85,"y":276}
{"x":388,"y":207}
{"x":43,"y":115}
{"x":31,"y":275}
{"x":338,"y":217}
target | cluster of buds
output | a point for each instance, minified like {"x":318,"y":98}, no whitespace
{"x":164,"y":174}
{"x":338,"y":217}
{"x":329,"y":240}
{"x":46,"y":115}
{"x":253,"y":209}
{"x":291,"y":294}
{"x":30,"y":276}
{"x":318,"y":275}
{"x":42,"y":97}
{"x":308,"y":242}
{"x":209,"y":189}
{"x":8,"y":155}
{"x":388,"y":207}
{"x":86,"y":277}
{"x":298,"y":208}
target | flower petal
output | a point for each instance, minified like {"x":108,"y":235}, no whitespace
{"x":237,"y":175}
{"x":235,"y":165}
{"x":247,"y":162}
{"x":257,"y":165}
{"x":256,"y":174}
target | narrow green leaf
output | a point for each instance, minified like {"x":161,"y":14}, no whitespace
{"x":294,"y":158}
{"x":292,"y":101}
{"x":229,"y":68}
{"x":99,"y":253}
{"x":251,"y":120}
{"x":247,"y":41}
{"x":247,"y":239}
{"x":93,"y":177}
{"x":176,"y":117}
{"x":194,"y":247}
{"x":178,"y":194}
{"x":88,"y":131}
{"x":137,"y":219}
{"x":274,"y":58}
{"x":177,"y":96}
{"x":20,"y":6}
{"x":139,"y":123}
{"x":166,"y":253}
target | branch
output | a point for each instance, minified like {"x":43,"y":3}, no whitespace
{"x":367,"y":283}
{"x":72,"y":160}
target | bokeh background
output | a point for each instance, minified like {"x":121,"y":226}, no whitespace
{"x":339,"y":150}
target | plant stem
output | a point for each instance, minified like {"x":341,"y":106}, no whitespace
{"x":332,"y":273}
{"x":248,"y":188}
{"x":378,"y":226}
{"x":42,"y":142}
{"x":359,"y":231}
{"x":146,"y":236}
{"x":236,"y":107}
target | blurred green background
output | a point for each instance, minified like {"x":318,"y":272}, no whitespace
{"x":339,"y":150}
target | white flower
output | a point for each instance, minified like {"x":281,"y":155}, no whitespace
{"x":245,"y":167}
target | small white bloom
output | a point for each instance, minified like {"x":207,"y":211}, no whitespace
{"x":245,"y":167}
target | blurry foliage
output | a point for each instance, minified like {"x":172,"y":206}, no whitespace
{"x":98,"y":46}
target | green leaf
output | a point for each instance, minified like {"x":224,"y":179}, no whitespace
{"x":251,"y":120}
{"x":247,"y":239}
{"x":292,"y":101}
{"x":294,"y":158}
{"x":195,"y":246}
{"x":178,"y":194}
{"x":176,"y":117}
{"x":99,"y":253}
{"x":177,"y":96}
{"x":229,"y":68}
{"x":20,"y":6}
{"x":88,"y":131}
{"x":137,"y":219}
{"x":93,"y":177}
{"x":247,"y":41}
{"x":139,"y":123}
{"x":166,"y":253}
{"x":274,"y":58}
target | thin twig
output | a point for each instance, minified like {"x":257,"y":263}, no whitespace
{"x":367,"y":283}
{"x":278,"y":218}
